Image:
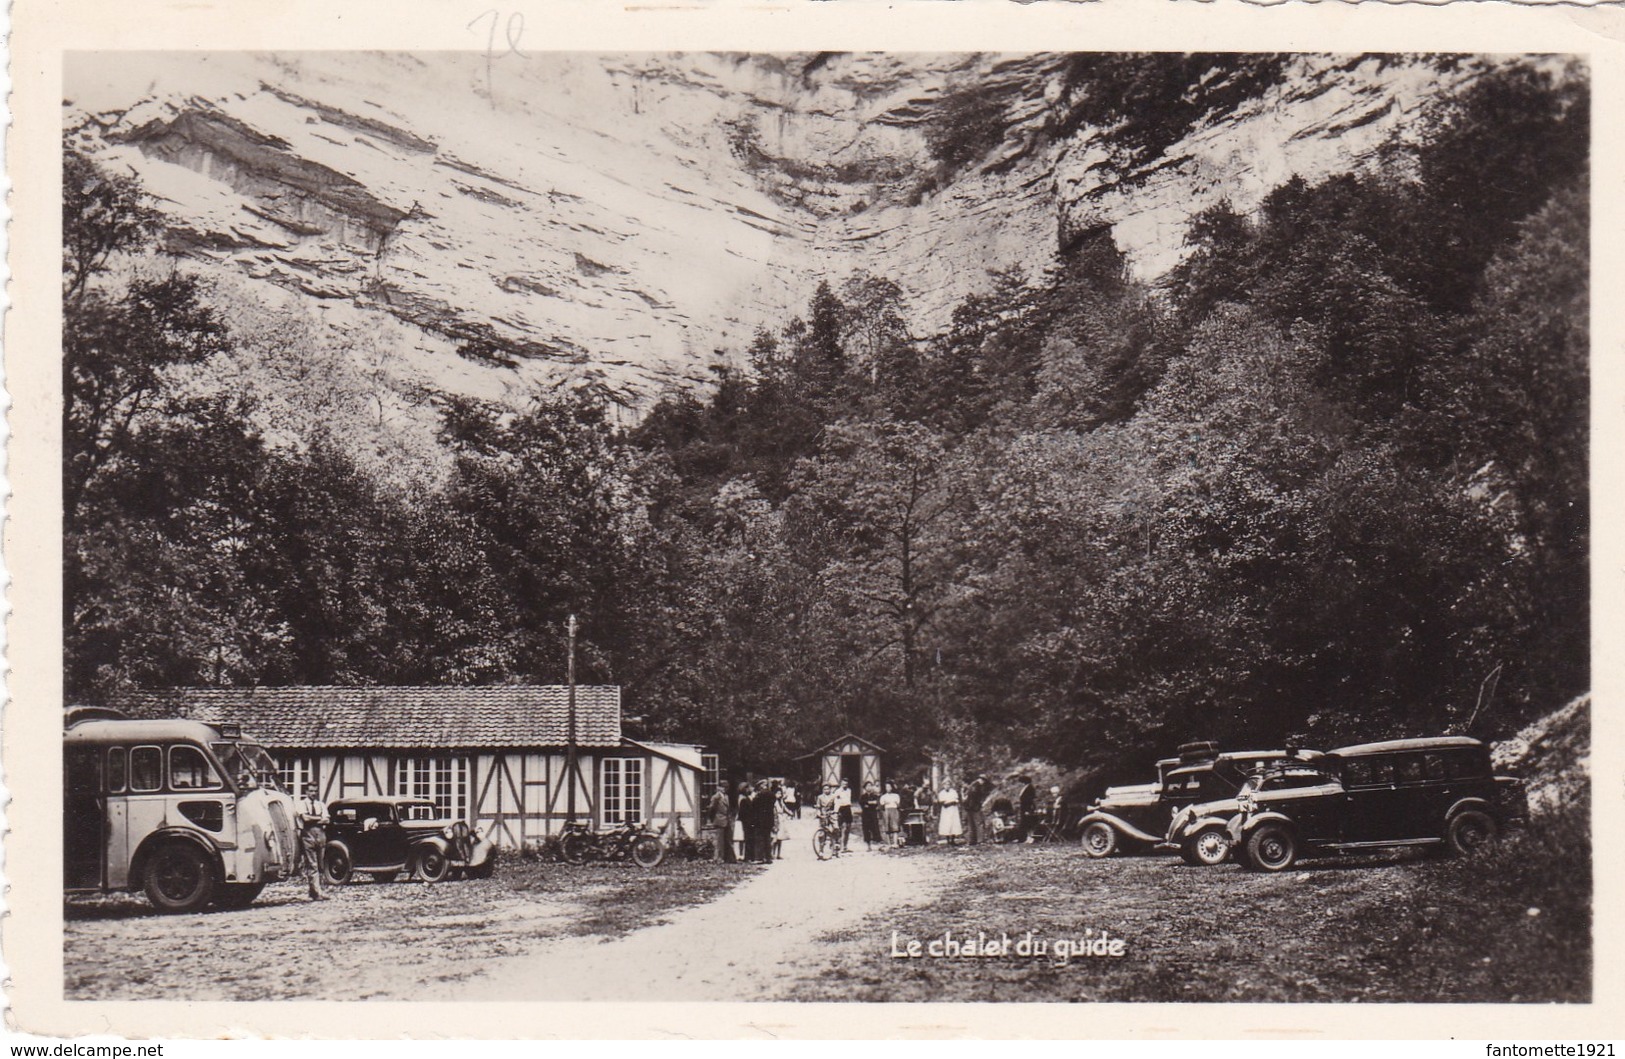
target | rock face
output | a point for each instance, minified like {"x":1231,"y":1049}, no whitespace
{"x":644,"y":214}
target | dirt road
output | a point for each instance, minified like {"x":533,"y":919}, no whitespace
{"x":734,"y":947}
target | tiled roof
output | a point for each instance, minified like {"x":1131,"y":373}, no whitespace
{"x":510,"y":715}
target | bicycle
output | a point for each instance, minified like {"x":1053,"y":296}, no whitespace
{"x":638,"y":842}
{"x":827,"y":840}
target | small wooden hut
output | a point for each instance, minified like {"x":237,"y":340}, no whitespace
{"x":851,"y":758}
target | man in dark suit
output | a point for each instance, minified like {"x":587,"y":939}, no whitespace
{"x":976,"y":820}
{"x":722,"y":825}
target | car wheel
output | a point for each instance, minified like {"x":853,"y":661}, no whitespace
{"x":384,"y":876}
{"x":1272,"y":848}
{"x":1470,"y":831}
{"x":179,"y":878}
{"x":647,"y":852}
{"x":337,"y":866}
{"x":432,"y":865}
{"x":1099,"y":839}
{"x":1207,"y":847}
{"x":238,"y":895}
{"x":574,"y":848}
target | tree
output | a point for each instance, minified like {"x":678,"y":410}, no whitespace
{"x":115,"y":353}
{"x":872,"y":508}
{"x":102,"y":214}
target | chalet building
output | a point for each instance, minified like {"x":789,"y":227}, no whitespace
{"x":851,"y":758}
{"x":494,"y":756}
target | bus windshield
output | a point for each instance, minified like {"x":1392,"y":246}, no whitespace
{"x":249,"y":764}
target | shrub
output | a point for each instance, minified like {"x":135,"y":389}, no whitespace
{"x":964,"y":127}
{"x":549,"y":848}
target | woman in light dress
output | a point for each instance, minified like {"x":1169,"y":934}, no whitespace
{"x":891,"y":816}
{"x":948,"y":824}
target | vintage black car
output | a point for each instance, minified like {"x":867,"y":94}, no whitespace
{"x":387,"y":836}
{"x":1201,"y":832}
{"x":1439,"y":792}
{"x":1139,"y":816}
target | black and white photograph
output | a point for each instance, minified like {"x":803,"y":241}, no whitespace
{"x":879,"y":527}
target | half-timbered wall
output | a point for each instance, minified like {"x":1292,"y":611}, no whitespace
{"x":518,"y":797}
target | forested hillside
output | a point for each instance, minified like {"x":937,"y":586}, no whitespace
{"x":1326,"y":481}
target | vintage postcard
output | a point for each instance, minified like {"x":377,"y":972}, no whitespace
{"x":648,"y":520}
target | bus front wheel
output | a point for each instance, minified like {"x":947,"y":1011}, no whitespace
{"x":179,"y":878}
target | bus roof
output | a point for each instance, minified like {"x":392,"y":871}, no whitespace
{"x":1442,"y":742}
{"x":152,"y":731}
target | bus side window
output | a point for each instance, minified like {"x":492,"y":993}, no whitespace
{"x":189,"y":770}
{"x":115,"y":770}
{"x":146,"y":769}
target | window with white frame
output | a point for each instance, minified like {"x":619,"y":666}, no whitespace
{"x":441,"y":778}
{"x":713,"y":773}
{"x":294,"y":771}
{"x":621,"y":790}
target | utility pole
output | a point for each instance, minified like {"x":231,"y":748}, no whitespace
{"x":572,"y":772}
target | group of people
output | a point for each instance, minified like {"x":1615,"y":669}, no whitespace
{"x":749,"y":826}
{"x":884,"y":812}
{"x":748,"y":823}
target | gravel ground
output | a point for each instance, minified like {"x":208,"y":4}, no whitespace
{"x":1510,"y":926}
{"x":1401,"y":927}
{"x":400,"y":940}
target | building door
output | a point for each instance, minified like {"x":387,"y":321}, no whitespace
{"x":852,"y":771}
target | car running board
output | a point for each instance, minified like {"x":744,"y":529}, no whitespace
{"x":1385,"y":845}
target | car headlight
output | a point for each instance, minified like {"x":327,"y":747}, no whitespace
{"x":446,"y":833}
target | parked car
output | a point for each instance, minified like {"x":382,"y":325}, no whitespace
{"x":1201,"y":832}
{"x":1439,"y":792}
{"x":1139,"y":815}
{"x":387,"y":836}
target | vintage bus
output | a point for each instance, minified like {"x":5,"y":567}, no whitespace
{"x":188,"y":812}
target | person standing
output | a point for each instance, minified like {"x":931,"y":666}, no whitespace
{"x":949,"y":825}
{"x":843,"y":813}
{"x":722,"y":842}
{"x":891,"y":816}
{"x":312,"y":840}
{"x":792,"y":807}
{"x":869,"y":802}
{"x":1027,"y":810}
{"x":745,"y":823}
{"x":975,"y":817}
{"x":778,"y":815}
{"x":766,"y":807}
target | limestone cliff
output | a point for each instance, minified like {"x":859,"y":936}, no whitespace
{"x":639,"y":213}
